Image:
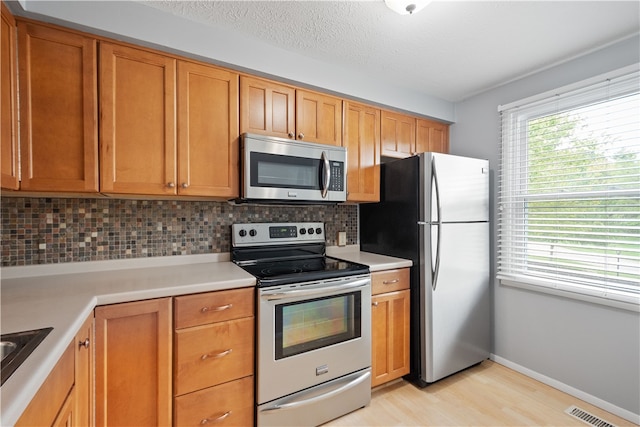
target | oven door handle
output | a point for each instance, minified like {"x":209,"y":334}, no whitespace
{"x":296,"y":404}
{"x":307,"y":292}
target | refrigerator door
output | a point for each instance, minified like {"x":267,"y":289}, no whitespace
{"x":456,"y":308}
{"x":462,"y":188}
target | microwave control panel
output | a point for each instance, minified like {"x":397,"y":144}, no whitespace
{"x":337,"y":177}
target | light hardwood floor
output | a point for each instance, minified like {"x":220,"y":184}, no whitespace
{"x":488,"y":394}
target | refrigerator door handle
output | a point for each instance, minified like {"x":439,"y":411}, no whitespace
{"x":435,"y":194}
{"x":435,"y":255}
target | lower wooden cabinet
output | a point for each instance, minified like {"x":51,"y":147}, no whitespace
{"x":228,"y":404}
{"x":390,"y":325}
{"x":83,"y":393}
{"x":53,"y":396}
{"x":214,"y":358}
{"x":133,"y":363}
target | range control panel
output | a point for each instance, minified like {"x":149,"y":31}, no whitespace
{"x":272,"y":233}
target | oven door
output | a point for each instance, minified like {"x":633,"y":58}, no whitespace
{"x":278,"y":169}
{"x":311,"y":333}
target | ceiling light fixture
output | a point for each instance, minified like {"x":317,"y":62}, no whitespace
{"x":406,"y":7}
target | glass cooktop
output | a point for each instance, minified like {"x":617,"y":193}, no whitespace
{"x":274,"y":273}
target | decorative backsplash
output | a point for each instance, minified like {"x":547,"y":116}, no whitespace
{"x":57,"y":230}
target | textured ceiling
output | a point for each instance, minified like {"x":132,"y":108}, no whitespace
{"x":451,"y":49}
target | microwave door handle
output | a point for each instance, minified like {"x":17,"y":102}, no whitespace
{"x":326,"y":174}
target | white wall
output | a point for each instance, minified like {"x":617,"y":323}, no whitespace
{"x":589,"y":349}
{"x":144,"y":25}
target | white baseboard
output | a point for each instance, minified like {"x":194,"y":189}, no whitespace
{"x":595,"y":401}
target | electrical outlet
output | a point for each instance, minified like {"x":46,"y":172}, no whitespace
{"x":342,"y":238}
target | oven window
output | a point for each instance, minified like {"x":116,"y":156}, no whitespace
{"x":274,"y":170}
{"x":311,"y":324}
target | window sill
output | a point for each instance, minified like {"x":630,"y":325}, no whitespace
{"x":628,"y":303}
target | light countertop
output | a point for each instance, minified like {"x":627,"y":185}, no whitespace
{"x":62,"y":296}
{"x":374,"y":261}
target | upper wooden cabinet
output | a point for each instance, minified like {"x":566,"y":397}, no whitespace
{"x":9,"y":103}
{"x":270,"y":108}
{"x":431,"y":136}
{"x":361,"y":137}
{"x":318,"y":118}
{"x":137,"y":126}
{"x":151,"y":143}
{"x":398,"y":134}
{"x":58,"y":110}
{"x":267,"y":108}
{"x":207,"y":131}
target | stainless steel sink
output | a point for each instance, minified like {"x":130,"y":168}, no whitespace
{"x":16,"y":347}
{"x":6,"y":348}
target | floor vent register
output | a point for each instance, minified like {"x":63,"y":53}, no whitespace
{"x":587,"y":418}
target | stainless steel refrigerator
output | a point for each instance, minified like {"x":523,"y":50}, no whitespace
{"x":434,"y":210}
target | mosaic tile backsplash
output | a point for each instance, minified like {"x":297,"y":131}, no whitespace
{"x":57,"y":230}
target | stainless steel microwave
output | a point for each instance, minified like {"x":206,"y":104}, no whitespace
{"x":282,"y":170}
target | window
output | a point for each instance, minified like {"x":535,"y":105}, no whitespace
{"x":569,"y":197}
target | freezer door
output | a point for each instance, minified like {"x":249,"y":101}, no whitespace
{"x":462,"y":185}
{"x":455,"y":299}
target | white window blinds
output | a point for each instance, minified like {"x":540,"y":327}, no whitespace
{"x":569,"y":196}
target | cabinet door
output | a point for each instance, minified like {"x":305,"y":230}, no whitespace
{"x":431,"y":136}
{"x":398,"y":134}
{"x":318,"y":118}
{"x":133,"y":363}
{"x":67,"y":416}
{"x":267,"y":108}
{"x":137,"y":127}
{"x":390,"y":336}
{"x":83,"y":413}
{"x":8,"y":113}
{"x":58,"y":110}
{"x":52,"y":394}
{"x":207,"y":131}
{"x":362,"y":140}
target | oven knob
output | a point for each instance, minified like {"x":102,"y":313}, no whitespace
{"x":310,"y":230}
{"x":243,"y":232}
{"x":303,"y":231}
{"x":252,"y":233}
{"x":318,"y":230}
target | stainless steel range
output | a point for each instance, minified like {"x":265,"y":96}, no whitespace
{"x":313,"y":324}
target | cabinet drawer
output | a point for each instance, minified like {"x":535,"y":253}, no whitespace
{"x":229,"y":404}
{"x":390,"y":280}
{"x":212,"y":354}
{"x":200,"y":309}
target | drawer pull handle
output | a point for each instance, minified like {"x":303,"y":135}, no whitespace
{"x":215,"y":420}
{"x":390,"y":282}
{"x":215,"y":356}
{"x":221,"y":308}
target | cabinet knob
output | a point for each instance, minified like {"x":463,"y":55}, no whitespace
{"x":185,"y":185}
{"x":171,"y":185}
{"x":301,"y":135}
{"x":215,"y":420}
{"x":291,"y":135}
{"x":84,"y":343}
{"x":375,"y":304}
